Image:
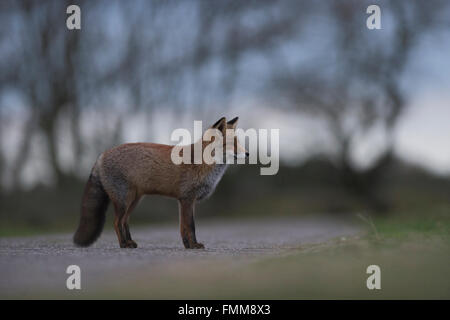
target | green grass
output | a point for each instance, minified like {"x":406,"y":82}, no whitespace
{"x":401,"y":226}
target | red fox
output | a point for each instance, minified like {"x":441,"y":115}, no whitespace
{"x":125,"y":173}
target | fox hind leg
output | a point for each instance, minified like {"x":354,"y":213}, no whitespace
{"x":118,"y":227}
{"x":122,"y":229}
{"x":122,"y":213}
{"x":130,"y":243}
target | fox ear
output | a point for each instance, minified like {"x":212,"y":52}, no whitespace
{"x":233,"y":122}
{"x":220,"y":124}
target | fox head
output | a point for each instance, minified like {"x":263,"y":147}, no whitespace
{"x":231,"y":147}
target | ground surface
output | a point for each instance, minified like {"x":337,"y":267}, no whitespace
{"x":315,"y":257}
{"x":34,"y":267}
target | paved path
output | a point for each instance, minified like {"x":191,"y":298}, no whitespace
{"x":32,"y":265}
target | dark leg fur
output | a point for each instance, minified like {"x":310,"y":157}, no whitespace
{"x":123,"y":235}
{"x":121,"y":225}
{"x":187,"y":225}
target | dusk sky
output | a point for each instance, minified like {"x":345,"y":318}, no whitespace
{"x":421,"y":136}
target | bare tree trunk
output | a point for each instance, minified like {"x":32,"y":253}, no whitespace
{"x":76,"y":137}
{"x":48,"y":126}
{"x":2,"y":162}
{"x":24,"y":148}
{"x":366,"y":184}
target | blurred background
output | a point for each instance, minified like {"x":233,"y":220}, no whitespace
{"x":363,"y":114}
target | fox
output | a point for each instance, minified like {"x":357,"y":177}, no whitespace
{"x":125,"y":173}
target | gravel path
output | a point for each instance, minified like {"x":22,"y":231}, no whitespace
{"x":31,"y":265}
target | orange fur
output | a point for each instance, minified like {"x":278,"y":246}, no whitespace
{"x":125,"y":173}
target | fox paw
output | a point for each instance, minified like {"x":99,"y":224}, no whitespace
{"x":196,"y":245}
{"x":128,"y":244}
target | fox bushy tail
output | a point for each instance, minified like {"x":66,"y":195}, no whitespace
{"x":93,"y":208}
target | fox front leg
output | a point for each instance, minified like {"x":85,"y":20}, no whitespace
{"x":187,"y":224}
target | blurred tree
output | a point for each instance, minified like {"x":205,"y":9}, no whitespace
{"x":43,"y":69}
{"x":140,"y":50}
{"x":356,"y":85}
{"x":136,"y":57}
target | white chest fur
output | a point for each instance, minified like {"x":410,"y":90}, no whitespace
{"x":206,"y":187}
